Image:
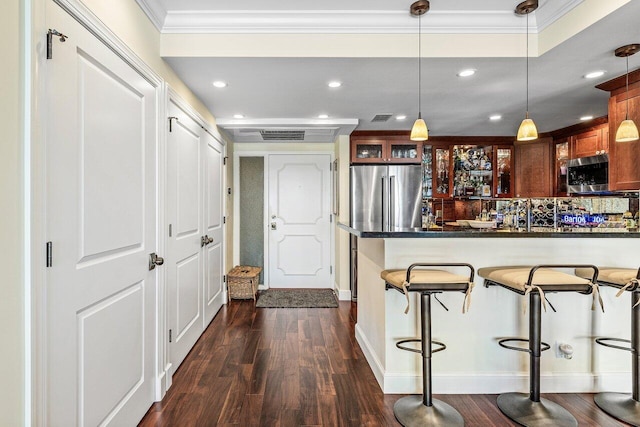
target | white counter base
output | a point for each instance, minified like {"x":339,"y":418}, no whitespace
{"x":473,"y":363}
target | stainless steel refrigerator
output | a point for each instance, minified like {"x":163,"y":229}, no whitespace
{"x":386,"y":197}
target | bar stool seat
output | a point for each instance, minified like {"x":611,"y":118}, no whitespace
{"x":623,"y":406}
{"x":424,"y":410}
{"x":532,"y":410}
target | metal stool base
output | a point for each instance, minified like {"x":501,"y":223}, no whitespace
{"x":521,"y":409}
{"x":411,"y":411}
{"x":620,"y":406}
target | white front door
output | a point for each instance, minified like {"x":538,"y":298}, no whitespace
{"x":299,"y":221}
{"x":101,"y":209}
{"x":184,"y":246}
{"x":213,"y":227}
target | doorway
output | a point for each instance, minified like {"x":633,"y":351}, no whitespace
{"x":293,"y":243}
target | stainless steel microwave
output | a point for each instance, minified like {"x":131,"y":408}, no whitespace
{"x":588,"y":174}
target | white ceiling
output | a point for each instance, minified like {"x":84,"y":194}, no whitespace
{"x":293,"y":90}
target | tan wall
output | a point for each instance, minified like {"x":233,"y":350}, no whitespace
{"x":342,"y":237}
{"x":12,"y":365}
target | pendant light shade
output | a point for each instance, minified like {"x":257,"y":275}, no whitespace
{"x":419,"y":131}
{"x":527,"y":130}
{"x":627,"y":131}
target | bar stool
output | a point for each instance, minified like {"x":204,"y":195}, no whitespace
{"x":623,"y":406}
{"x":424,"y":410}
{"x":532,"y":410}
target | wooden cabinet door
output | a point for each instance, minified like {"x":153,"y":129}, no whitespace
{"x":503,"y":159}
{"x":586,"y":144}
{"x":533,"y":168}
{"x":368,"y":150}
{"x":624,"y":159}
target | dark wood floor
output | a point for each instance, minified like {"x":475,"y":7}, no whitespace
{"x":301,"y":367}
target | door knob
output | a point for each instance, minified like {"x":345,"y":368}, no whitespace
{"x":209,"y":239}
{"x":274,"y":226}
{"x":155,"y":260}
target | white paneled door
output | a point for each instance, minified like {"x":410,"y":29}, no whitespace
{"x":184,"y":245}
{"x":195,"y":241}
{"x":299,"y":221}
{"x":213,"y":227}
{"x":101,"y":221}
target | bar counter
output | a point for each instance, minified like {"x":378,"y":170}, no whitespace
{"x":473,"y":362}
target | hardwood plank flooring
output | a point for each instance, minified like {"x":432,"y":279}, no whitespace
{"x":302,"y":367}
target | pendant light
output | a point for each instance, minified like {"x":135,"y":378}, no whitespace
{"x":419,"y":131}
{"x":527,"y":130}
{"x":627,"y":131}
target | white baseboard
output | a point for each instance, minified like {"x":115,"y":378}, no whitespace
{"x":374,"y":362}
{"x":490,"y":383}
{"x":343,"y":295}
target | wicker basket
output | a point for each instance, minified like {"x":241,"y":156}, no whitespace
{"x":243,"y":282}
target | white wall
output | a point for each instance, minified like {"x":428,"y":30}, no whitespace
{"x":12,"y":364}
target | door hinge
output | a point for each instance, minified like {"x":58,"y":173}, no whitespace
{"x":229,"y":190}
{"x":224,"y":278}
{"x":49,"y":254}
{"x":331,"y":269}
{"x":170,"y":230}
{"x":171,"y":122}
{"x":330,"y":218}
{"x":224,"y":219}
{"x":224,"y":160}
{"x":170,"y":337}
{"x":50,"y":35}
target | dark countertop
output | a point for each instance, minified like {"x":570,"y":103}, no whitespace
{"x":458,"y":232}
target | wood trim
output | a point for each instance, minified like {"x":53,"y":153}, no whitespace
{"x":445,"y":139}
{"x":595,"y":124}
{"x":620,"y":82}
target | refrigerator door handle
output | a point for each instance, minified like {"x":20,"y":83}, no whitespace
{"x":392,"y":201}
{"x":384,"y":204}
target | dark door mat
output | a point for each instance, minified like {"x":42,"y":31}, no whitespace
{"x":297,"y":298}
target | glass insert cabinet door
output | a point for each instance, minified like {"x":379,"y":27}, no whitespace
{"x":503,"y":176}
{"x":441,"y":165}
{"x":404,"y":152}
{"x":472,"y":170}
{"x":368,"y":151}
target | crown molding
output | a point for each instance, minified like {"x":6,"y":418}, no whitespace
{"x":350,"y":21}
{"x":155,"y":11}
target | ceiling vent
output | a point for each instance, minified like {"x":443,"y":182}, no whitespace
{"x":282,"y":135}
{"x":381,"y":118}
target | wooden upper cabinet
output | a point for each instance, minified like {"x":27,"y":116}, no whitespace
{"x":533,"y":165}
{"x":624,"y":157}
{"x":587,"y":144}
{"x":385,"y":150}
{"x":625,"y":160}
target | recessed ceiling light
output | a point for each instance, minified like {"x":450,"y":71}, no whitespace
{"x":594,"y":75}
{"x":467,"y":73}
{"x":334,"y":84}
{"x":585,"y":118}
{"x":220,"y":83}
{"x":495,"y":117}
{"x":323,"y":116}
{"x":401,"y":117}
{"x":238,"y":116}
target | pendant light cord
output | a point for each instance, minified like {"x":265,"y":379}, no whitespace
{"x":527,"y":65}
{"x":626,"y":116}
{"x":420,"y":66}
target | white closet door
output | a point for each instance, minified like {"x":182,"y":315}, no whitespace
{"x":213,"y":218}
{"x":101,"y":209}
{"x":184,"y":248}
